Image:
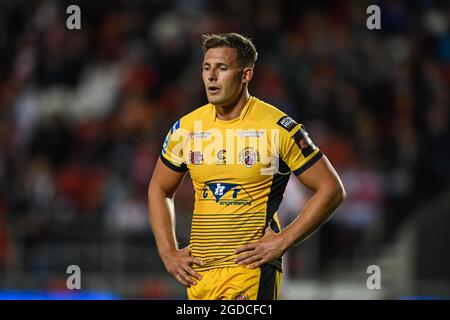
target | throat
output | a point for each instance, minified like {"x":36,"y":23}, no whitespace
{"x":232,"y":110}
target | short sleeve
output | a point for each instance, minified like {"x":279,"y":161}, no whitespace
{"x":296,"y":147}
{"x":172,"y":150}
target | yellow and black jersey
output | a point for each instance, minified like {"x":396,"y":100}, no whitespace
{"x":239,"y":170}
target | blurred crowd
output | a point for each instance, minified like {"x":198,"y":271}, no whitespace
{"x":83,"y":113}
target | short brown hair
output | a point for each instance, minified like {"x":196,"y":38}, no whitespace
{"x":246,"y":51}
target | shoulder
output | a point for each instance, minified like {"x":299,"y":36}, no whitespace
{"x":275,"y":118}
{"x":187,"y":121}
{"x":201,"y":113}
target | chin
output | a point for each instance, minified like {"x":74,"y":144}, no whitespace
{"x":215,"y":100}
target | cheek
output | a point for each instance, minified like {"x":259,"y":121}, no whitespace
{"x":236,"y":84}
{"x":233,"y":83}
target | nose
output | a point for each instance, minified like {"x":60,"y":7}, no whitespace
{"x":212,"y":75}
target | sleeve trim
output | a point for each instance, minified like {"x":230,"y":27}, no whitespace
{"x":170,"y":165}
{"x":308,"y":164}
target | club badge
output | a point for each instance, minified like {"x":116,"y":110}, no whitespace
{"x":249,"y":156}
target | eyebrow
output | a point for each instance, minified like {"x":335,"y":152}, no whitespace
{"x":219,"y":64}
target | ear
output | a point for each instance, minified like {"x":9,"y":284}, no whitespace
{"x":247,"y":75}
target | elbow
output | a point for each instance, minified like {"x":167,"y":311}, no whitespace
{"x":335,"y":192}
{"x":340,"y":193}
{"x":156,"y":192}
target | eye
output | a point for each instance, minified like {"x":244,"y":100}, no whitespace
{"x":223,"y":68}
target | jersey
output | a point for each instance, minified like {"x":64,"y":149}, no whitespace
{"x":239,"y":170}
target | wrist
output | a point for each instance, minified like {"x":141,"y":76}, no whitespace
{"x":284,"y":241}
{"x":167,"y":252}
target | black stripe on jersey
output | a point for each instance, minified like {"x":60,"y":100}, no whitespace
{"x":307,"y":150}
{"x":227,"y":215}
{"x":279,"y":183}
{"x":267,"y":283}
{"x":249,"y":228}
{"x":218,"y":245}
{"x":195,"y":246}
{"x":217,"y":255}
{"x":274,"y":226}
{"x":204,"y":226}
{"x":205,"y":253}
{"x":278,"y":264}
{"x":227,"y":223}
{"x":202,"y":237}
{"x":211,"y":244}
{"x":219,"y":218}
{"x":297,"y":136}
{"x":198,"y":240}
{"x":277,"y":189}
{"x":224,"y":233}
{"x":214,"y":250}
{"x":309,"y":164}
{"x":182,"y":168}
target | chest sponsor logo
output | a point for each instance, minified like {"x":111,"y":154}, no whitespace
{"x":226,"y":194}
{"x":200,"y":135}
{"x":251,"y":133}
{"x":221,"y":157}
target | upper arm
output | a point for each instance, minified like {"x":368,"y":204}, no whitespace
{"x":170,"y":167}
{"x":165,"y":179}
{"x":321,"y":174}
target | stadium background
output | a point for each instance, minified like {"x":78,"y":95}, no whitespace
{"x":83,"y":114}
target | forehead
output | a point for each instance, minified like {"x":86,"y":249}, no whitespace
{"x":220,"y":55}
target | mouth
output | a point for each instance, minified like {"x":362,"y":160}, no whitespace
{"x":213,"y":89}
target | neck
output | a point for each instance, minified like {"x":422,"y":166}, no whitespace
{"x":232,"y":110}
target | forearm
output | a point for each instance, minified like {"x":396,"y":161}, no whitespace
{"x":315,"y":213}
{"x":162,"y":219}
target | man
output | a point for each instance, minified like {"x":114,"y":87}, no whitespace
{"x":240,"y":152}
